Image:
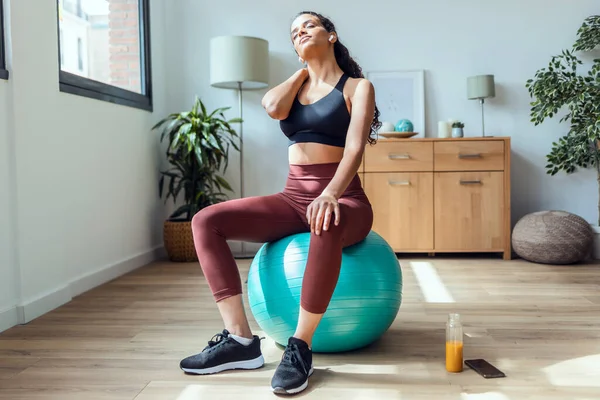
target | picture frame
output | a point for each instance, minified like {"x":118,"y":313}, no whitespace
{"x":400,"y":95}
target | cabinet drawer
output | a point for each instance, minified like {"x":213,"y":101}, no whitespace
{"x":399,"y":156}
{"x":482,"y":155}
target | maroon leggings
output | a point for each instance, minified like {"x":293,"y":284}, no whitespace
{"x":268,"y":218}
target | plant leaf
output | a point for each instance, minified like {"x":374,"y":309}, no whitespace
{"x":198,"y":153}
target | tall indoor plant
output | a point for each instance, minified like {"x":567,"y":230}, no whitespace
{"x":198,"y":153}
{"x":563,"y":87}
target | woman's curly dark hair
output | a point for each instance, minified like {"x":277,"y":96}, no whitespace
{"x":347,"y":64}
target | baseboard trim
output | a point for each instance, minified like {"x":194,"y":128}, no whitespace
{"x":32,"y":309}
{"x":8,"y":318}
{"x":94,"y":279}
{"x":35,"y":308}
{"x":249,"y":249}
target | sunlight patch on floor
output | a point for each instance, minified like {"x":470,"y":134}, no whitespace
{"x":214,"y":392}
{"x":431,"y":284}
{"x":198,"y":391}
{"x":363,"y":369}
{"x":576,"y":372}
{"x":484,"y":396}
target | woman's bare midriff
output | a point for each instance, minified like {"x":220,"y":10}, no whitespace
{"x":314,"y":153}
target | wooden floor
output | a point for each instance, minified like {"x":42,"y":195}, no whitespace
{"x":539,"y":324}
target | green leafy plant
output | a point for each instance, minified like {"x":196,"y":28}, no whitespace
{"x":198,"y":150}
{"x":562,"y":87}
{"x":458,"y":124}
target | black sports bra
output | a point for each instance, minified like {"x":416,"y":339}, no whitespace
{"x":326,"y":121}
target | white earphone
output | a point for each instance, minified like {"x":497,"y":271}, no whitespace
{"x":330,"y":38}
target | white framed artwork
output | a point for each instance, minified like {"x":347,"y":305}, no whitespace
{"x":400,"y":95}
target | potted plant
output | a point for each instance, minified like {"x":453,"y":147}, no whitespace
{"x":197,"y":152}
{"x":561,"y":86}
{"x":457,"y":129}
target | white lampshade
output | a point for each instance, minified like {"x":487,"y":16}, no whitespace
{"x":239,"y":59}
{"x":481,"y":87}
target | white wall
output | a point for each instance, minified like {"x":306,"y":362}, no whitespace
{"x":85,"y":172}
{"x":8,"y":287}
{"x":449,"y":40}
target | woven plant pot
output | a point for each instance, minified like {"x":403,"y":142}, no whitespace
{"x":179,"y":242}
{"x":553,"y":237}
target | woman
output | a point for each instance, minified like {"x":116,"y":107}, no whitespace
{"x":327,"y":110}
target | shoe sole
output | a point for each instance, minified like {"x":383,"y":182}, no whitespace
{"x":247,"y":364}
{"x":280,"y":390}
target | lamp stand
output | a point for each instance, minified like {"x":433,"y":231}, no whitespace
{"x":481,"y":101}
{"x":241,"y":140}
{"x":242,"y":188}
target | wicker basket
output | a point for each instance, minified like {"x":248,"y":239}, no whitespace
{"x":179,"y":242}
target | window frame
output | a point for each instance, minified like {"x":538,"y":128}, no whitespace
{"x":3,"y":70}
{"x":86,"y":87}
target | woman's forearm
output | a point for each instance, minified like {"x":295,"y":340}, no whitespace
{"x":278,"y":101}
{"x":346,"y":171}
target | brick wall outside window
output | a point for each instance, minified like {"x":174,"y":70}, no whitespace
{"x":124,"y":44}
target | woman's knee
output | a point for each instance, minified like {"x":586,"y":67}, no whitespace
{"x":206,"y":220}
{"x":331,"y":232}
{"x":354,"y":225}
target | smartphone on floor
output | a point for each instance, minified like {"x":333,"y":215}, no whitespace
{"x":484,"y":368}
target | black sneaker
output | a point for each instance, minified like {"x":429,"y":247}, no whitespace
{"x":224,"y":353}
{"x":296,"y":366}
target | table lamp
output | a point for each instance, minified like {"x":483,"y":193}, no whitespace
{"x":239,"y":63}
{"x":481,"y":87}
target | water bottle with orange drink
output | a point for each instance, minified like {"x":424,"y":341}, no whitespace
{"x":454,"y":343}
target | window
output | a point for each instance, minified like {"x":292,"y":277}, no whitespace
{"x":60,"y":50}
{"x":3,"y":71}
{"x":104,"y":50}
{"x":80,"y":54}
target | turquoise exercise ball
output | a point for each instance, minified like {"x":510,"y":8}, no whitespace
{"x":404,"y":125}
{"x":364,"y":304}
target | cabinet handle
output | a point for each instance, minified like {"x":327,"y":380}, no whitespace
{"x":399,"y":183}
{"x":399,"y":156}
{"x":476,"y":182}
{"x":475,"y":155}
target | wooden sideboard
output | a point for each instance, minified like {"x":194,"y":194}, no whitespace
{"x":440,"y":195}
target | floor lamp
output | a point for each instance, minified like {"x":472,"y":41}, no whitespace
{"x":239,"y":63}
{"x":481,"y":87}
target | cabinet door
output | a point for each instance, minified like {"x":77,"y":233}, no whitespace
{"x":403,"y":208}
{"x":469,"y":211}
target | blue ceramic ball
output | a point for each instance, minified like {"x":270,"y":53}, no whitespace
{"x":404,"y":125}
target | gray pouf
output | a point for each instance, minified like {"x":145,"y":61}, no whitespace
{"x":553,"y":237}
